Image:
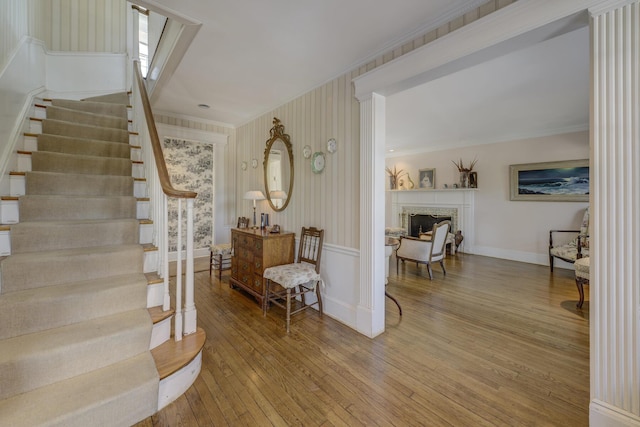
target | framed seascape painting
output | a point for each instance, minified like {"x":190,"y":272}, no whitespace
{"x":564,"y":181}
{"x":427,"y":178}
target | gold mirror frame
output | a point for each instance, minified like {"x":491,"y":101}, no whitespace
{"x":277,"y":135}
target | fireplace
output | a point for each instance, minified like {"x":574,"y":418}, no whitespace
{"x":421,"y":218}
{"x":457,"y":204}
{"x":421,"y":223}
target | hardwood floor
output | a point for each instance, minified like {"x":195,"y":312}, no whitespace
{"x":494,"y":342}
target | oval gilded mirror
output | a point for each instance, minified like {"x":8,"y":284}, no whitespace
{"x":278,"y":167}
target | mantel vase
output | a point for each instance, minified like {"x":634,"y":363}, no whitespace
{"x":464,"y":179}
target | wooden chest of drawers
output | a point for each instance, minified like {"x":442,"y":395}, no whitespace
{"x":255,"y":250}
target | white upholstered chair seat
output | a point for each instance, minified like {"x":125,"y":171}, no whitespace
{"x":568,"y":251}
{"x":582,"y":277}
{"x":292,"y":275}
{"x":221,"y":249}
{"x":582,"y":268}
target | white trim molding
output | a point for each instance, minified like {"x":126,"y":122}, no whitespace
{"x":615,"y":162}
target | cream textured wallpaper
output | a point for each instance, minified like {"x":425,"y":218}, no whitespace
{"x":329,"y":200}
{"x":79,"y":26}
{"x":14,"y":24}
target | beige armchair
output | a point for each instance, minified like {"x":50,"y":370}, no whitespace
{"x":573,"y":250}
{"x":423,"y":251}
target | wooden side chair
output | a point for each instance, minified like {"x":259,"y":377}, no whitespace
{"x":422,"y":251}
{"x":221,"y":253}
{"x":286,"y":282}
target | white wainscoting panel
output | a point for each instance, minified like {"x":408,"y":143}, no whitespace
{"x":76,"y":75}
{"x":340,"y":271}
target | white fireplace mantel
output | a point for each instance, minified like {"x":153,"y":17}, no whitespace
{"x":463,"y":200}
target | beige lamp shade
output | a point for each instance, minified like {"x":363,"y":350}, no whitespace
{"x":278,"y":195}
{"x":254,"y":195}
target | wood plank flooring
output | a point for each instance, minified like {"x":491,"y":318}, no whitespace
{"x":494,"y":343}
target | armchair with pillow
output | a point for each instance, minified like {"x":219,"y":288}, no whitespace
{"x":573,"y":250}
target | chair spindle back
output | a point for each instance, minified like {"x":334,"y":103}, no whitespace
{"x":310,"y":249}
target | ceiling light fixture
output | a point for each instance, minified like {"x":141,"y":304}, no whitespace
{"x":203,"y":106}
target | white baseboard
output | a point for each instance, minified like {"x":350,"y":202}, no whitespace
{"x":197,"y":253}
{"x":602,"y":414}
{"x":528,"y":257}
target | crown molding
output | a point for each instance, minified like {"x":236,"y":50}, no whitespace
{"x":521,"y":24}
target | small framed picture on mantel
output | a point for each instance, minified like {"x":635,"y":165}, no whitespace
{"x":427,"y":178}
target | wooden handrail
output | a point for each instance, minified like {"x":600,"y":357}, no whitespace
{"x":163,"y":175}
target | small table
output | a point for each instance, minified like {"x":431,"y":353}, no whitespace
{"x":390,"y":244}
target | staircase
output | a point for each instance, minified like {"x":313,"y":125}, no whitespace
{"x":75,"y":326}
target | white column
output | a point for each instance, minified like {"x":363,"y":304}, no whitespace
{"x":190,"y":317}
{"x":370,"y":312}
{"x":615,"y":209}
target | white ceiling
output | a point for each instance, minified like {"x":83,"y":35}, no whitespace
{"x":251,"y":56}
{"x":537,"y":91}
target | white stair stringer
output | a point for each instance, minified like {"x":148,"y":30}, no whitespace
{"x":177,"y":384}
{"x":161,"y":332}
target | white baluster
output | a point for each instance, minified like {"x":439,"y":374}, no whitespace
{"x":164,"y":249}
{"x":178,"y":330}
{"x":190,"y":315}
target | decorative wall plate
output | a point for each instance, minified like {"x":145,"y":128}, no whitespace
{"x":243,"y":165}
{"x":254,"y":163}
{"x":317,"y":162}
{"x":332,"y":145}
{"x":306,"y":151}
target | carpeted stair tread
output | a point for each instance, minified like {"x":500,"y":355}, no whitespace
{"x":56,"y":208}
{"x":83,"y":146}
{"x":118,"y":395}
{"x":43,"y":354}
{"x":59,"y":127}
{"x":86,"y":118}
{"x":115,"y":98}
{"x":71,"y":163}
{"x":73,"y":294}
{"x":37,"y":236}
{"x":74,"y":184}
{"x":96,"y":107}
{"x":40,"y":309}
{"x":51,"y":268}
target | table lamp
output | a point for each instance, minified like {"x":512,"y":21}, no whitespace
{"x":254,"y":195}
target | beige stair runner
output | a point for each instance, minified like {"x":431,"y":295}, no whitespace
{"x":74,"y":328}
